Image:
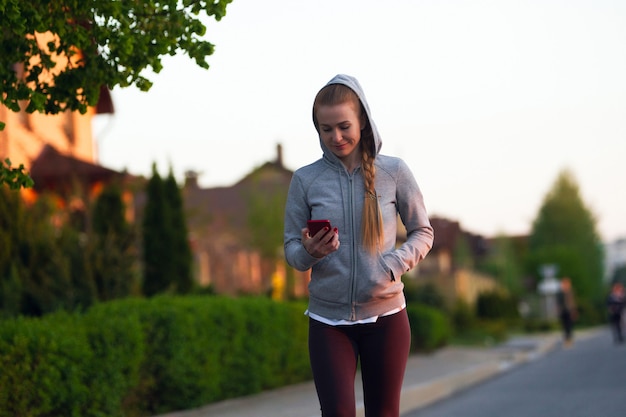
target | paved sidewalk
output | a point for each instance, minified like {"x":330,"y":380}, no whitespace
{"x":428,"y":378}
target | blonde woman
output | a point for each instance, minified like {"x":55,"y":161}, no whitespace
{"x":356,"y":301}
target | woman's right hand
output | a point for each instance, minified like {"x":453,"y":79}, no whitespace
{"x":324,"y":242}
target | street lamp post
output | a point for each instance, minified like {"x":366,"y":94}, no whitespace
{"x":548,"y":288}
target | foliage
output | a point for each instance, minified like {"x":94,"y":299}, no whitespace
{"x":504,"y":262}
{"x":425,"y":294}
{"x":15,"y":178}
{"x":49,"y":261}
{"x":138,"y":357}
{"x":43,"y":365}
{"x":266,"y":213}
{"x":485,"y":323}
{"x":166,"y":251}
{"x":619,"y":274}
{"x":430,"y":328}
{"x":108,"y":44}
{"x":42,"y":264}
{"x":463,"y":317}
{"x":496,"y":305}
{"x":564,"y":233}
{"x":590,"y":312}
{"x":462,"y":253}
{"x":11,"y":218}
{"x":156,"y":234}
{"x":112,"y":247}
{"x":182,"y":258}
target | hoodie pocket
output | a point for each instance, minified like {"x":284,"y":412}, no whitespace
{"x":330,"y":283}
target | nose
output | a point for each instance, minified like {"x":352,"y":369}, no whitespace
{"x":336,"y":135}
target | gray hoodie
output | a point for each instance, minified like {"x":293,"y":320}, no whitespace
{"x":351,"y":283}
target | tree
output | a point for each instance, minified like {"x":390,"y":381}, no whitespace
{"x":11,"y":222}
{"x":43,"y":264}
{"x":265,"y":217}
{"x":156,"y":232}
{"x":166,"y":252}
{"x":181,"y":255}
{"x":619,"y":275}
{"x":95,"y":44}
{"x":564,"y":233}
{"x":113,"y":250}
{"x":266,"y":213}
{"x":15,"y":178}
{"x":503,"y":262}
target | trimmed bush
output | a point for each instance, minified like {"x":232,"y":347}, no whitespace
{"x":430,"y":328}
{"x":139,"y":357}
{"x":44,"y":367}
{"x":114,"y":336}
{"x":496,"y":305}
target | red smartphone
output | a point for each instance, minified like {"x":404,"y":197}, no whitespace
{"x":315,"y":226}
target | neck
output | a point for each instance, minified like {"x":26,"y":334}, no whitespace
{"x":352,"y":161}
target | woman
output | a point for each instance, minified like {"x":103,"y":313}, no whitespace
{"x":615,"y":303}
{"x":566,"y":305}
{"x":356,"y":301}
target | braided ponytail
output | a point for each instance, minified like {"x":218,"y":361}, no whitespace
{"x":371,"y":222}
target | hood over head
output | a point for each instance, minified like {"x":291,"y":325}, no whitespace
{"x":354,"y":85}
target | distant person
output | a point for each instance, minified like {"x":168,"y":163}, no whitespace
{"x":356,"y":300}
{"x":566,"y":304}
{"x":615,"y":304}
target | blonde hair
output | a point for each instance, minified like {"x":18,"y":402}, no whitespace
{"x":371,"y":222}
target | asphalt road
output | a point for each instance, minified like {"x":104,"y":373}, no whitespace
{"x":585,"y":380}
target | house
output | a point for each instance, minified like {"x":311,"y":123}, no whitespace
{"x":449,"y":266}
{"x":219,"y":221}
{"x":236,"y":232}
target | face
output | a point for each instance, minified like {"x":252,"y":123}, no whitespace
{"x":340,"y":131}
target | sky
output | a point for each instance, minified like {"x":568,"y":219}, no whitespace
{"x":487,"y":101}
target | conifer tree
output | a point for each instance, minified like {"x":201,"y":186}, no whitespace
{"x":157,"y":238}
{"x":114,"y":254}
{"x":11,"y":217}
{"x":564,"y":233}
{"x":181,"y":256}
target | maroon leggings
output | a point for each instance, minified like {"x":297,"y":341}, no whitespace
{"x":383,"y":349}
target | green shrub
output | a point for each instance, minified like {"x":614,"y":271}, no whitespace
{"x":139,"y":357}
{"x":463,"y":317}
{"x":538,"y":325}
{"x":114,"y":335}
{"x":589,"y":313}
{"x":44,"y":367}
{"x":430,"y":328}
{"x":496,"y":305}
{"x":425,"y":294}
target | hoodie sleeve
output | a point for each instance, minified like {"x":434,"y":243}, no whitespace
{"x":412,"y":211}
{"x":296,"y":215}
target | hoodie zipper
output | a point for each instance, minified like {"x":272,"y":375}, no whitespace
{"x":354,"y":248}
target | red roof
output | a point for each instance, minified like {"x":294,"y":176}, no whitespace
{"x":53,"y":170}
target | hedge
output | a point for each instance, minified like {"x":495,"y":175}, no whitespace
{"x":140,"y":357}
{"x":430,"y":328}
